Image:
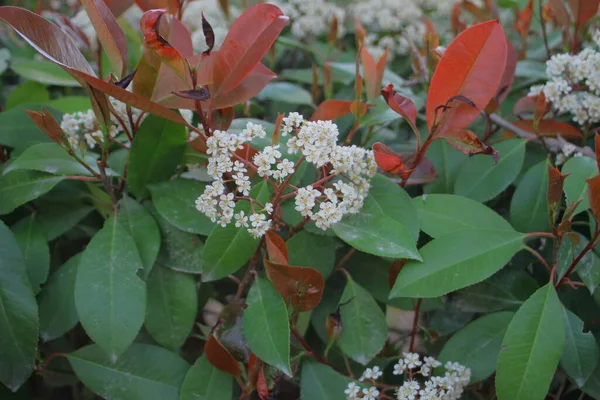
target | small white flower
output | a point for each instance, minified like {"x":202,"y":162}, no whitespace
{"x":411,"y":360}
{"x":371,"y":373}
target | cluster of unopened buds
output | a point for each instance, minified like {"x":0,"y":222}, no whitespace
{"x":342,"y":182}
{"x":420,"y":382}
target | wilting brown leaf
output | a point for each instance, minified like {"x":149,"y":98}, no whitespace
{"x":276,"y":248}
{"x":468,"y":143}
{"x":46,"y":122}
{"x":390,"y":161}
{"x":220,"y":358}
{"x":594,"y":195}
{"x":302,"y":287}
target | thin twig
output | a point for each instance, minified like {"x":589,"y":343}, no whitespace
{"x":413,"y":334}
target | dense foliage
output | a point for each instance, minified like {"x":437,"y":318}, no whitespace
{"x":385,"y":199}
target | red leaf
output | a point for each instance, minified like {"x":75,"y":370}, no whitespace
{"x":118,"y":7}
{"x":424,"y":173}
{"x":276,"y":248}
{"x":556,"y":182}
{"x":389,"y":161}
{"x":373,"y":72}
{"x":220,"y":357}
{"x":550,"y":127}
{"x":155,"y":41}
{"x":594,"y":195}
{"x":209,"y":35}
{"x":171,"y":5}
{"x":301,"y":286}
{"x":109,"y":33}
{"x":46,"y":122}
{"x":221,"y":119}
{"x":525,"y":105}
{"x":597,"y":143}
{"x":523,"y":21}
{"x":248,"y":40}
{"x":559,"y":12}
{"x":583,"y":10}
{"x":395,"y":269}
{"x":332,"y":109}
{"x":400,"y":104}
{"x":468,"y":143}
{"x":261,"y":385}
{"x":471,"y":67}
{"x":509,"y":72}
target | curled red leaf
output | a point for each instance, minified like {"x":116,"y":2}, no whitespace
{"x":209,"y":35}
{"x":390,"y":161}
{"x":400,"y":104}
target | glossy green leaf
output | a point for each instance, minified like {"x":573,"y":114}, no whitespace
{"x":477,"y":345}
{"x":19,"y":131}
{"x":365,"y":328}
{"x":172,"y":306}
{"x":309,"y":250}
{"x":35,"y":250}
{"x":531,"y":348}
{"x":441,"y":214}
{"x":52,"y":159}
{"x":266,"y":325}
{"x":320,"y":382}
{"x":387,"y":225}
{"x":205,"y":382}
{"x":18,"y":314}
{"x":25,"y":92}
{"x":19,"y":187}
{"x":58,"y":314}
{"x":457,"y":260}
{"x":285,"y":92}
{"x":143,"y":229}
{"x":482,"y":180}
{"x":175,"y":201}
{"x":581,"y":353}
{"x":447,"y":161}
{"x":588,"y":268}
{"x":575,"y":187}
{"x":71,"y":104}
{"x":43,"y":71}
{"x":143,"y":372}
{"x":529,"y":204}
{"x":592,"y":385}
{"x":109,"y":295}
{"x":155,"y":153}
{"x":57,"y":219}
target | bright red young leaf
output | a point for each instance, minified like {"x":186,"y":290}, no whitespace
{"x":171,"y":5}
{"x":302,"y":287}
{"x":594,"y":196}
{"x":109,"y":33}
{"x":522,"y":25}
{"x":276,"y":248}
{"x":583,"y":10}
{"x":597,"y":143}
{"x":550,"y":127}
{"x":472,"y":68}
{"x":220,"y":357}
{"x":261,"y":385}
{"x":118,"y":7}
{"x":400,"y":104}
{"x":332,"y":109}
{"x":468,"y":143}
{"x":155,"y":41}
{"x":390,"y":161}
{"x":373,"y":71}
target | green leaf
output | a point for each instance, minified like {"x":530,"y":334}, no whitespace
{"x":109,"y":296}
{"x":172,"y":306}
{"x":58,"y":314}
{"x":35,"y":250}
{"x":447,"y":162}
{"x":175,"y":201}
{"x":19,"y":131}
{"x":229,"y":248}
{"x":588,"y":268}
{"x":581,"y":353}
{"x":441,"y":214}
{"x":71,"y":104}
{"x":309,"y":250}
{"x":26,"y":91}
{"x":205,"y":382}
{"x":50,"y":158}
{"x":155,"y":153}
{"x":365,"y":328}
{"x":531,"y":348}
{"x":18,"y":314}
{"x":531,"y":68}
{"x":320,"y":382}
{"x":575,"y":187}
{"x":457,"y":260}
{"x":143,"y":229}
{"x":143,"y":372}
{"x":285,"y":92}
{"x":507,"y":289}
{"x":19,"y":187}
{"x":387,"y":225}
{"x":529,"y":205}
{"x":477,"y":345}
{"x":592,"y":385}
{"x":266,"y":325}
{"x":43,"y":71}
{"x":57,"y":219}
{"x":482,"y":180}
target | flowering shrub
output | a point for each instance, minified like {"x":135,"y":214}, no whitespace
{"x":299,"y":199}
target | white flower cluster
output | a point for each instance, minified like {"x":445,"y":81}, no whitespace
{"x":345,"y":169}
{"x":574,"y":84}
{"x":84,"y":125}
{"x":192,"y":19}
{"x":312,"y":18}
{"x":448,"y":387}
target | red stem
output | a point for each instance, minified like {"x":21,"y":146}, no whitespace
{"x":413,"y":334}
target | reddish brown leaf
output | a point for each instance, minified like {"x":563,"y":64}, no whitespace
{"x":109,"y":33}
{"x":559,"y":12}
{"x":373,"y":72}
{"x":468,"y":143}
{"x":542,"y":107}
{"x":472,"y":67}
{"x":171,"y":5}
{"x":118,"y":7}
{"x":261,"y":385}
{"x":594,"y":196}
{"x":522,"y":24}
{"x":583,"y":10}
{"x":201,"y":94}
{"x":46,"y":122}
{"x":400,"y":104}
{"x":424,"y":173}
{"x":277,"y":129}
{"x":155,"y":41}
{"x":550,"y":127}
{"x":333,"y":31}
{"x":457,"y":24}
{"x":525,"y":105}
{"x":334,"y":325}
{"x":390,"y":161}
{"x":556,"y":182}
{"x":276,"y":248}
{"x":332,"y":109}
{"x":220,"y":358}
{"x":302,"y":287}
{"x":209,"y":35}
{"x":359,"y":32}
{"x":597,"y":143}
{"x":221,"y":119}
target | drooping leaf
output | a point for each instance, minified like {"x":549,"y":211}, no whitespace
{"x":390,"y":161}
{"x":531,"y":348}
{"x":172,"y":306}
{"x":205,"y":382}
{"x":276,"y":248}
{"x":46,"y":122}
{"x":581,"y":353}
{"x":321,"y":382}
{"x":302,"y":287}
{"x":19,"y":187}
{"x":529,"y":205}
{"x":313,"y":251}
{"x":332,"y":109}
{"x":575,"y":186}
{"x":19,"y":323}
{"x":481,"y":179}
{"x":58,"y":314}
{"x":142,"y":372}
{"x":109,"y":296}
{"x":442,"y":214}
{"x":175,"y":202}
{"x":477,"y":345}
{"x":35,"y":250}
{"x":365,"y":328}
{"x":266,"y":325}
{"x":482,"y":252}
{"x":50,"y":158}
